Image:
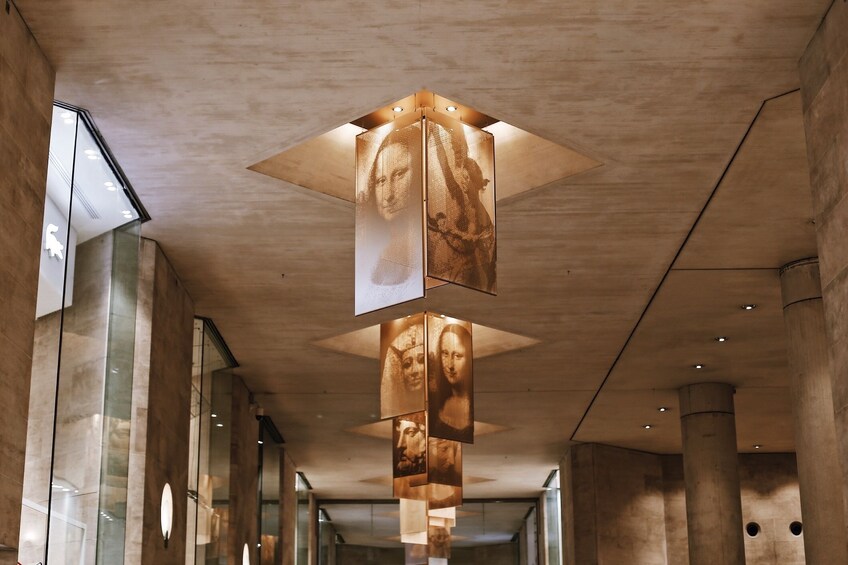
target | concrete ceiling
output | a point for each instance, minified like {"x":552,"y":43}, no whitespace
{"x":624,"y":273}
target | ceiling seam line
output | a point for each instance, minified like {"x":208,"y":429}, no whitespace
{"x":674,"y":260}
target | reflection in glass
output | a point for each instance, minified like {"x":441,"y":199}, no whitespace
{"x":552,"y":517}
{"x":209,"y":447}
{"x":75,"y":482}
{"x":302,"y":523}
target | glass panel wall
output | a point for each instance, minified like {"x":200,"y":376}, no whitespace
{"x":553,"y":521}
{"x":74,"y":505}
{"x":302,"y":523}
{"x":269,"y":498}
{"x":209,"y":451}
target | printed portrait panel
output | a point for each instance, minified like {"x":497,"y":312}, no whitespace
{"x":409,"y":456}
{"x":450,"y":383}
{"x":403,"y":376}
{"x":443,"y":496}
{"x":444,"y":462}
{"x":415,"y":554}
{"x":438,"y":542}
{"x":461,"y":204}
{"x":389,"y":215}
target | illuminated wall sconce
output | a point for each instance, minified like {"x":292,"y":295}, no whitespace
{"x":166,"y":512}
{"x":425,"y":209}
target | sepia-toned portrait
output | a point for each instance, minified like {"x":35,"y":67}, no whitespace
{"x":450,"y":400}
{"x":438,"y":542}
{"x":403,"y":378}
{"x":460,"y":204}
{"x":444,"y":462}
{"x":389,"y":216}
{"x":409,"y":456}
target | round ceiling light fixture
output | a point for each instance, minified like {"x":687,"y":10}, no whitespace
{"x":397,"y":109}
{"x":166,"y":512}
{"x":451,"y":108}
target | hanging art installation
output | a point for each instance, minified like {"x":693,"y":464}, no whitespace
{"x":426,"y":390}
{"x":425,"y":209}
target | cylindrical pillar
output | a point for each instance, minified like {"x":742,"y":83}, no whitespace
{"x":819,"y":474}
{"x":711,"y":472}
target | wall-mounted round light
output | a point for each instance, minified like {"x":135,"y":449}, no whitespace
{"x":166,"y":512}
{"x":245,"y":556}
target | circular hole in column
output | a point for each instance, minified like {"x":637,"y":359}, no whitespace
{"x":752,"y":529}
{"x":796,"y":528}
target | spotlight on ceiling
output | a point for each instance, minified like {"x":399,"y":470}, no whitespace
{"x":397,"y":109}
{"x":721,"y":339}
{"x":748,"y":306}
{"x":698,"y":366}
{"x":647,"y":426}
{"x":451,"y":108}
{"x":662,"y":409}
{"x":758,"y":446}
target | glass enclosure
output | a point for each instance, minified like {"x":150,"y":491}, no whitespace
{"x":552,"y":512}
{"x":302,"y":524}
{"x":270,"y":550}
{"x":209,"y":447}
{"x":75,"y":481}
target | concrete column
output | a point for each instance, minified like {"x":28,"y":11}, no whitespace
{"x":819,"y":474}
{"x":824,"y":90}
{"x":711,"y":472}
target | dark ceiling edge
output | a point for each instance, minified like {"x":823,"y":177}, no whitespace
{"x":218,"y":339}
{"x":676,"y":255}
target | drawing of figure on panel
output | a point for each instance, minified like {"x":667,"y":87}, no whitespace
{"x":410,"y":445}
{"x":444,"y":462}
{"x":460,"y":229}
{"x":450,"y":400}
{"x":402,"y":366}
{"x":389,"y":218}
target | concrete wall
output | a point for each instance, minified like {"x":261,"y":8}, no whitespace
{"x":244,"y":476}
{"x":770,"y":497}
{"x":160,"y":412}
{"x":824,"y":90}
{"x":623,"y":506}
{"x":615,"y":510}
{"x":26,"y":98}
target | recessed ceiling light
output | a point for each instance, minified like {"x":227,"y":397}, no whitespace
{"x":748,"y":306}
{"x":90,"y":152}
{"x":758,"y":446}
{"x":662,"y":409}
{"x":214,"y":415}
{"x":698,"y":366}
{"x":721,"y":339}
{"x":93,"y":157}
{"x":125,"y":212}
{"x":451,"y":108}
{"x":108,"y":183}
{"x":260,"y":442}
{"x":647,"y":426}
{"x":397,"y":109}
{"x":220,"y":425}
